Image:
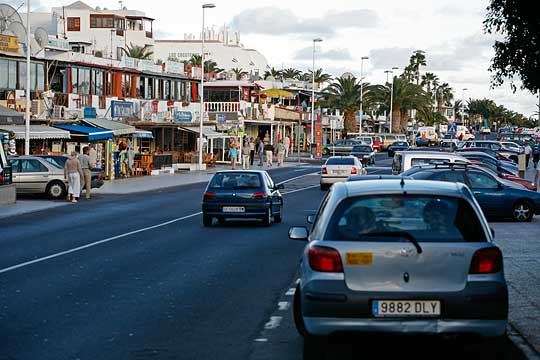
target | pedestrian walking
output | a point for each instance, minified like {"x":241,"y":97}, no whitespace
{"x":281,"y":151}
{"x":73,"y":173}
{"x":251,"y":151}
{"x":246,"y":155}
{"x":287,"y":143}
{"x":269,"y":151}
{"x":233,"y":153}
{"x":528,"y":151}
{"x":536,"y":152}
{"x":93,"y":155}
{"x":260,"y":151}
{"x":86,"y":179}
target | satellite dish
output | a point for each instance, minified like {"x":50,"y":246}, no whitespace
{"x":42,"y":36}
{"x":347,"y":76}
{"x":19,"y":31}
{"x":8,"y":15}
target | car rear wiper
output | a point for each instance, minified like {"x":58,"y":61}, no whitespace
{"x":403,"y":234}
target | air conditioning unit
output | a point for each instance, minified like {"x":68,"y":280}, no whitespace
{"x":59,"y":112}
{"x":36,"y":107}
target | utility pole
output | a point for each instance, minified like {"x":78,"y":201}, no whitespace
{"x":361,"y":92}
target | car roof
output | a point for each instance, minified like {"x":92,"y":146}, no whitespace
{"x":241,"y":171}
{"x":375,"y":177}
{"x":403,"y":185}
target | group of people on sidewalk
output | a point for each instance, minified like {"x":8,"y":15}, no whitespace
{"x":77,"y":172}
{"x":264,"y":151}
{"x":533,"y":148}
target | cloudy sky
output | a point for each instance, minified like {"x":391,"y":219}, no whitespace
{"x":449,"y":31}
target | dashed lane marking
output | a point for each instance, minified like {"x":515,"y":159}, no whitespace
{"x":284,"y":305}
{"x":273,"y":322}
{"x":290,"y":292}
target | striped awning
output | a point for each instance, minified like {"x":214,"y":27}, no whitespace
{"x":116,"y":127}
{"x":36,"y":132}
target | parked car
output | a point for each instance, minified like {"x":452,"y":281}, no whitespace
{"x":426,"y":136}
{"x":364,"y":153}
{"x":339,"y":168}
{"x":34,"y":175}
{"x":496,"y":146}
{"x":387,"y":140}
{"x":398,"y":256}
{"x":528,"y":184}
{"x":485,"y":158}
{"x":510,"y":145}
{"x":498,"y":198}
{"x":448,"y":145}
{"x":341,"y":147}
{"x":98,"y":175}
{"x":490,"y":152}
{"x":377,"y":143}
{"x":404,"y":160}
{"x":242,"y":194}
{"x":368,"y":140}
{"x":398,"y":146}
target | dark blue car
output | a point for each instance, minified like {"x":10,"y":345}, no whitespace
{"x":397,"y":146}
{"x":242,"y":194}
{"x":498,"y":198}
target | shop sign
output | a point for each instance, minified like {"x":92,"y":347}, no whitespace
{"x":121,"y":109}
{"x":90,"y":113}
{"x":318,"y":140}
{"x":9,"y":44}
{"x":174,"y":67}
{"x":183,"y":116}
{"x":221,"y":118}
{"x":58,"y":44}
{"x":129,"y":62}
{"x":155,"y":106}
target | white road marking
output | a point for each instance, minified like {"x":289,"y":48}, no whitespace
{"x":290,"y":292}
{"x":261,"y":340}
{"x":298,"y":177}
{"x":284,"y":305}
{"x":273,"y":323}
{"x":38,"y":260}
{"x":302,"y":189}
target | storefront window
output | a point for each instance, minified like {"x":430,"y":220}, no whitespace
{"x":4,"y":79}
{"x":40,"y":86}
{"x":140,"y":87}
{"x":98,"y":82}
{"x":167,"y":89}
{"x":74,"y":80}
{"x":84,"y":81}
{"x":22,"y":75}
{"x":150,"y":88}
{"x":12,"y":74}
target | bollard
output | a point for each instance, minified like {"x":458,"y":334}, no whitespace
{"x":521,"y":165}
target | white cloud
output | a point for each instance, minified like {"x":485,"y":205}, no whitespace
{"x":332,"y":54}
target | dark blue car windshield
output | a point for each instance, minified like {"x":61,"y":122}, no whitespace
{"x":235,"y":181}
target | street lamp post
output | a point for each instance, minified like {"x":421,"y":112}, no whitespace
{"x":462,"y":104}
{"x":361,"y":92}
{"x":313,"y":97}
{"x":201,"y":112}
{"x":27,"y":91}
{"x":392,"y":96}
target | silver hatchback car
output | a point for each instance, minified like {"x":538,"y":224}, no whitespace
{"x":399,"y":256}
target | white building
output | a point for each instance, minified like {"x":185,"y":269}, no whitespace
{"x":223,"y":47}
{"x":102,"y":32}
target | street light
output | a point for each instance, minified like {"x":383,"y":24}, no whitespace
{"x":463,"y":103}
{"x":391,"y":95}
{"x":201,"y":112}
{"x":27,"y":91}
{"x":361,"y":92}
{"x":313,"y":96}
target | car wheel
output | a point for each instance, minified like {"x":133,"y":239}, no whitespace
{"x":267,"y":219}
{"x":279,"y":216}
{"x":314,"y":348}
{"x":297,"y":313}
{"x":522,"y":211}
{"x":207,"y":220}
{"x":56,"y":190}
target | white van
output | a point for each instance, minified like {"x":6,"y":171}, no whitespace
{"x":404,"y":160}
{"x":462,"y":130}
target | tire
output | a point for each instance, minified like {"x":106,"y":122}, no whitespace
{"x":314,"y":348}
{"x":278,"y":217}
{"x":297,"y":313}
{"x":207,"y":220}
{"x":267,"y":219}
{"x":522,"y":211}
{"x":56,"y":190}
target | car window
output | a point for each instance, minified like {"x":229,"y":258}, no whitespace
{"x":428,"y":218}
{"x":338,"y":143}
{"x":454,"y":176}
{"x":15,"y":165}
{"x":426,"y":161}
{"x":55,"y":161}
{"x":390,"y":137}
{"x":340,"y":161}
{"x":361,"y":148}
{"x":350,"y":142}
{"x":32,"y":165}
{"x":482,"y":181}
{"x":229,"y":181}
{"x":396,"y":164}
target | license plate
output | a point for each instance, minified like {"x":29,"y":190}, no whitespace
{"x":234,"y":209}
{"x":359,"y":258}
{"x":400,"y":308}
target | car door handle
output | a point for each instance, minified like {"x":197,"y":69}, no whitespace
{"x":477,"y":193}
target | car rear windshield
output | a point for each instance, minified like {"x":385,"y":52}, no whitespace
{"x":236,"y":181}
{"x":427,"y":218}
{"x":340,"y":161}
{"x":361,"y":148}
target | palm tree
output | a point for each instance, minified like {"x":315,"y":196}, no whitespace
{"x":195,"y":60}
{"x":210,"y":67}
{"x":429,"y":80}
{"x":320,"y":77}
{"x":406,"y":96}
{"x":272,"y":73}
{"x":238,"y":72}
{"x":291,"y":73}
{"x":417,"y":59}
{"x":138,"y":52}
{"x":445,"y":95}
{"x":430,"y":117}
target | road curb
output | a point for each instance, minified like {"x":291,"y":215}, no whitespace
{"x":522,"y":344}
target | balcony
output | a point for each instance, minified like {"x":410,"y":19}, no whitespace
{"x":222,"y":107}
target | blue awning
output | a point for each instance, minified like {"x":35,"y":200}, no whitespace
{"x":143,"y":134}
{"x":90,"y":133}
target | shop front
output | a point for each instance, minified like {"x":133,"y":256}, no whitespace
{"x":43,"y":139}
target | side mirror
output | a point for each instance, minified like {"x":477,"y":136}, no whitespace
{"x":300,"y":233}
{"x":311,"y":219}
{"x":279,"y":187}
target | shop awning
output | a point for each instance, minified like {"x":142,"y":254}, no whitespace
{"x":10,"y":117}
{"x":208,"y":132}
{"x":143,"y":134}
{"x":36,"y":132}
{"x":116,"y":127}
{"x":87,"y":132}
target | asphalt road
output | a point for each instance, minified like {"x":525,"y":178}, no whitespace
{"x":139,"y":277}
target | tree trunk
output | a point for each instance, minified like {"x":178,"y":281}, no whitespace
{"x":439,"y":105}
{"x":404,"y":121}
{"x":350,"y":122}
{"x":396,"y":119}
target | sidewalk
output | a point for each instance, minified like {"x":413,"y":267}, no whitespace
{"x":130,"y":186}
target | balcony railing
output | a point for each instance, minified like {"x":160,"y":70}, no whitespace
{"x":222,"y":106}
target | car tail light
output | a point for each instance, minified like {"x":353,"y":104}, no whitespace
{"x":324,"y":171}
{"x":259,"y":195}
{"x":324,"y":259}
{"x":354,"y":171}
{"x":209,"y":195}
{"x":486,"y":261}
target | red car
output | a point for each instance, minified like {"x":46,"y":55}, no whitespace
{"x":377,"y":143}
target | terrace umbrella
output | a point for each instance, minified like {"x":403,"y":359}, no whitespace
{"x":277,"y":93}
